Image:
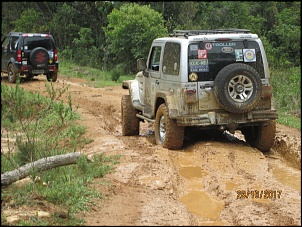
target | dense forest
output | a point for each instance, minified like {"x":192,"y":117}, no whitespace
{"x":109,"y":34}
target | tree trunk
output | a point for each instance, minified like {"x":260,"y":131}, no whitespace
{"x":39,"y":165}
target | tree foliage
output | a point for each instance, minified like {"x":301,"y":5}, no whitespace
{"x":118,"y":32}
{"x":130,"y":32}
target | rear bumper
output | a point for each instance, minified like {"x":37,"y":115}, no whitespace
{"x":226,"y":118}
{"x":29,"y":69}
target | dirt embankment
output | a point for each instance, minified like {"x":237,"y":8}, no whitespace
{"x":211,"y":181}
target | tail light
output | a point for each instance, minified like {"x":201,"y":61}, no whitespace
{"x":55,"y":55}
{"x":190,"y":95}
{"x":24,"y":67}
{"x":19,"y":55}
{"x":266,"y":92}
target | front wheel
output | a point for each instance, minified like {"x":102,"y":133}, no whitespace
{"x":262,"y":136}
{"x":12,"y":75}
{"x":130,"y":122}
{"x":167,"y":132}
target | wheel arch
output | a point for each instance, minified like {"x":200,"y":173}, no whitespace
{"x":162,"y":97}
{"x":132,"y":86}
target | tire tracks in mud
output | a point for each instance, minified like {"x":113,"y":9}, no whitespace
{"x":197,"y":185}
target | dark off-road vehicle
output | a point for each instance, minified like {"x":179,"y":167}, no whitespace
{"x":214,"y":80}
{"x":29,"y":54}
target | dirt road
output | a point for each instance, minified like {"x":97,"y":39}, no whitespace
{"x":205,"y":183}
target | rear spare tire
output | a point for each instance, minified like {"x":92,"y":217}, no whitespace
{"x":39,"y":57}
{"x":238,"y":88}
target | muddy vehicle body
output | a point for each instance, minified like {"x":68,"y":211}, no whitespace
{"x":210,"y":79}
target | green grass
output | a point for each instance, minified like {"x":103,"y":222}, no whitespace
{"x":41,"y":127}
{"x":35,"y":127}
{"x":287,"y":92}
{"x":95,"y":78}
{"x":286,"y":87}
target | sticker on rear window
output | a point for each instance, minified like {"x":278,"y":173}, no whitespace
{"x":201,"y":68}
{"x":227,"y":50}
{"x":208,"y":46}
{"x":197,"y":62}
{"x":202,"y":54}
{"x":249,"y":55}
{"x":238,"y":55}
{"x":199,"y":65}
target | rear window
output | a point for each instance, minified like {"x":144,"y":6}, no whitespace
{"x":206,"y":59}
{"x":31,"y":43}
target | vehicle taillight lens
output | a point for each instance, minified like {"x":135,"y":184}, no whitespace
{"x":55,"y":58}
{"x":19,"y":55}
{"x":266,"y":92}
{"x":24,"y":68}
{"x":190,"y":96}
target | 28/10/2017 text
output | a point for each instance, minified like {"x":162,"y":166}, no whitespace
{"x":259,"y":194}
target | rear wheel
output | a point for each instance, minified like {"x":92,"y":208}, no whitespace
{"x":261,"y":136}
{"x":12,"y":75}
{"x":167,"y":132}
{"x":130,"y":123}
{"x":52,"y":77}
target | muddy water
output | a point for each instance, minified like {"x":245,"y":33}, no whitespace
{"x":196,"y":199}
{"x":209,"y":207}
{"x":287,"y":176}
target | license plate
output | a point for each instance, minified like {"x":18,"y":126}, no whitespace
{"x":38,"y":71}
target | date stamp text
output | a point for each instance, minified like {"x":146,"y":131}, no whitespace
{"x":259,"y":194}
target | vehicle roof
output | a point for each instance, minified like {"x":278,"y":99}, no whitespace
{"x":210,"y":35}
{"x":29,"y":34}
{"x":213,"y":37}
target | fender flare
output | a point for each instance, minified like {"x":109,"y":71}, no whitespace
{"x":166,"y":97}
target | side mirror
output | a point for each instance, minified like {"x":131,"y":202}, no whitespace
{"x":141,"y":64}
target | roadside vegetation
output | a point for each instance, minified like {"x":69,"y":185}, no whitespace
{"x":103,"y":49}
{"x":42,"y":126}
{"x":287,"y":94}
{"x":34,"y":126}
{"x":286,"y":84}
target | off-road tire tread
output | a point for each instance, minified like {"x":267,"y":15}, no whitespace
{"x":264,"y":137}
{"x":130,"y":123}
{"x":174,"y":134}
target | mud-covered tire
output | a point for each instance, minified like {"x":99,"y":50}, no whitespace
{"x":238,"y":88}
{"x":167,"y":132}
{"x":39,"y":57}
{"x":262,"y":136}
{"x":11,"y":72}
{"x":130,"y":123}
{"x":52,"y":77}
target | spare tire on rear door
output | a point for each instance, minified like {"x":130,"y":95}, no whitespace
{"x":238,"y":88}
{"x":39,"y":57}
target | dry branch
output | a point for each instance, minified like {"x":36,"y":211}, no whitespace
{"x":39,"y":165}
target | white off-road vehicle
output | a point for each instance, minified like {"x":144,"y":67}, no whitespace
{"x":210,"y":79}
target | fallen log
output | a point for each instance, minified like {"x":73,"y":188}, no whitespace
{"x":39,"y":165}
